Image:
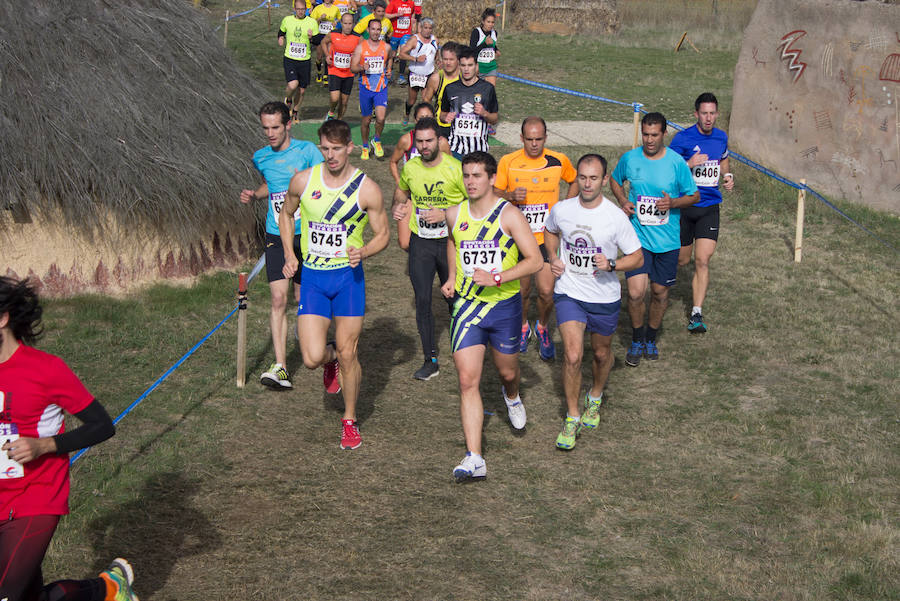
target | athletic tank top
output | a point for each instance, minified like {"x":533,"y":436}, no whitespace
{"x":374,"y":62}
{"x":482,"y":243}
{"x":342,"y":47}
{"x":411,"y":151}
{"x":332,"y":220}
{"x":419,"y":72}
{"x":442,"y":83}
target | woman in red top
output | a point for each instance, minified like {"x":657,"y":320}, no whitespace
{"x":339,"y":49}
{"x":35,"y":389}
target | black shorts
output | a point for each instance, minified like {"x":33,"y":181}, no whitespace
{"x":444,"y":131}
{"x":275,"y":258}
{"x":344,"y":84}
{"x":699,"y":222}
{"x":295,"y":70}
{"x":317,"y":39}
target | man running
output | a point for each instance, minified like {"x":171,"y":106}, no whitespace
{"x":440,"y":79}
{"x":530,"y":178}
{"x":326,"y":16}
{"x":433,"y":182}
{"x":277,"y":163}
{"x":336,"y":201}
{"x":421,"y":50}
{"x":705,"y":148}
{"x":372,"y":59}
{"x":470,"y":105}
{"x":362,"y":27}
{"x":35,"y":389}
{"x":400,"y":12}
{"x":339,"y":48}
{"x":660,"y":186}
{"x":489,"y":248}
{"x":589,"y":230}
{"x":294,"y":35}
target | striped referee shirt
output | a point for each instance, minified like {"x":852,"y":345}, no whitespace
{"x":468,"y":131}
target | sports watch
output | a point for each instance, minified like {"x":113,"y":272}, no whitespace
{"x":497,"y":278}
{"x":612,"y":264}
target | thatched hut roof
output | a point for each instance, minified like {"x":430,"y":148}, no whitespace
{"x":126,"y":108}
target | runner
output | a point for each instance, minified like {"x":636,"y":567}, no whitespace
{"x":440,"y":79}
{"x":277,"y":163}
{"x":470,"y":104}
{"x":294,"y":35}
{"x":530,"y":178}
{"x":661,"y":185}
{"x":400,"y":12}
{"x":339,"y":48}
{"x":372,"y":59}
{"x":489,"y":248}
{"x":590,"y":230}
{"x":347,"y":7}
{"x":421,"y":50}
{"x":327,"y":16}
{"x":705,"y":148}
{"x":35,"y":388}
{"x":484,"y":41}
{"x":336,"y":201}
{"x":362,"y":27}
{"x":429,"y":183}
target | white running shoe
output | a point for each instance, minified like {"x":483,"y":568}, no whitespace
{"x":515,"y":410}
{"x":472,"y":467}
{"x":276,"y":377}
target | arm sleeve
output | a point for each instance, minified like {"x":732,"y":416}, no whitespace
{"x":473,"y":38}
{"x":95,"y":428}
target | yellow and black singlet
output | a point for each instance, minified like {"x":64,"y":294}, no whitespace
{"x":332,"y":220}
{"x":482,"y":243}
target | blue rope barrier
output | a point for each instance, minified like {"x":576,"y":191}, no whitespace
{"x":638,"y":108}
{"x":159,"y":381}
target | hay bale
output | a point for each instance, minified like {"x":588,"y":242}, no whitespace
{"x":133,"y":118}
{"x":570,"y":16}
{"x":455,"y":20}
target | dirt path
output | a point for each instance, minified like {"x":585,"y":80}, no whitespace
{"x":573,"y":133}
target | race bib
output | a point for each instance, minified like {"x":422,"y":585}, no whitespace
{"x":9,"y":469}
{"x":374,"y":65}
{"x":327,"y":240}
{"x":403,"y":22}
{"x":298,"y":50}
{"x":580,"y":259}
{"x":535,"y":215}
{"x":706,"y":174}
{"x":326,"y":27}
{"x":467,"y":125}
{"x":481,"y":254}
{"x":486,"y":55}
{"x":344,"y":8}
{"x":648,"y":213}
{"x":276,"y":201}
{"x":341,"y":60}
{"x":430,"y":230}
{"x":417,"y":80}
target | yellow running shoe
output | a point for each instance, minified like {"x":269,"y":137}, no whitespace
{"x":365,"y":153}
{"x":379,"y":151}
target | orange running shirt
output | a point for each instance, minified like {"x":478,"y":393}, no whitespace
{"x":342,"y":47}
{"x":541,"y":177}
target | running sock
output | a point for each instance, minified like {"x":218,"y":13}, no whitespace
{"x":651,"y":334}
{"x":376,"y":139}
{"x":593,"y":398}
{"x":696,"y":310}
{"x":510,"y":402}
{"x":637,"y":334}
{"x":539,"y":326}
{"x":575,"y":417}
{"x":408,"y":108}
{"x":319,"y":66}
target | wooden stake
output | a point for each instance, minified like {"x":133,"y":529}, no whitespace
{"x":637,"y":124}
{"x":503,"y":17}
{"x":242,"y":331}
{"x":682,"y":40}
{"x":801,"y":209}
{"x":269,"y":13}
{"x":225,"y":38}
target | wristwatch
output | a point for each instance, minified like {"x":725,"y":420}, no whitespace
{"x":612,"y":264}
{"x":497,"y":278}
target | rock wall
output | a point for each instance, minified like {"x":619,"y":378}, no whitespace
{"x":816,"y":91}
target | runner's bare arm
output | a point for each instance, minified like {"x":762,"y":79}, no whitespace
{"x":404,"y":51}
{"x":444,"y":145}
{"x":448,"y":286}
{"x":728,"y":178}
{"x":355,"y":67}
{"x":679,"y":202}
{"x":326,"y":48}
{"x":631,"y":261}
{"x":551,"y":243}
{"x":248,"y":196}
{"x":399,"y":150}
{"x":372,"y":202}
{"x":621,"y":196}
{"x":286,"y":224}
{"x":431,"y":87}
{"x":400,"y":208}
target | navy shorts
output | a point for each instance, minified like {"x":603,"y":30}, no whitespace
{"x":475,"y":322}
{"x":600,"y":318}
{"x":298,"y":71}
{"x":333,"y":292}
{"x":275,"y":258}
{"x":661,"y":267}
{"x":699,"y":222}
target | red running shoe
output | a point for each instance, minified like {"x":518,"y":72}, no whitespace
{"x":350,"y":438}
{"x":330,"y":376}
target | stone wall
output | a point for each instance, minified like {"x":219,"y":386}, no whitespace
{"x":816,"y":92}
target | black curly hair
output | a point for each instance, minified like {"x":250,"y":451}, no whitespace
{"x":19,"y":299}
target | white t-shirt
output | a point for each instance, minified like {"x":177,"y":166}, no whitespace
{"x":584,"y":233}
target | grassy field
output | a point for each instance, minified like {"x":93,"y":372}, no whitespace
{"x":758,"y":461}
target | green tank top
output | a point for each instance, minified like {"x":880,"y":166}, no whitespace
{"x":439,"y":187}
{"x":331,"y":221}
{"x":482,"y":243}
